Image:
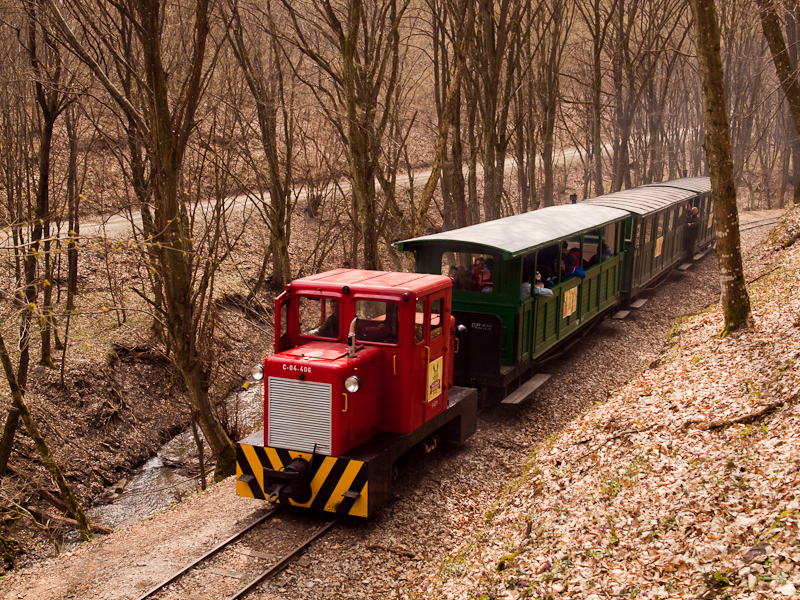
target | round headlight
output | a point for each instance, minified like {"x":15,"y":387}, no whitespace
{"x":352,"y":384}
{"x":257,"y":372}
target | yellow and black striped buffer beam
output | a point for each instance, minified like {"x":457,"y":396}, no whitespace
{"x":338,"y":485}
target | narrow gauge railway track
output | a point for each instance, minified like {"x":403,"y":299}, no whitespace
{"x":758,"y":223}
{"x":247,"y":551}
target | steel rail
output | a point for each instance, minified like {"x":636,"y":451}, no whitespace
{"x":211,"y":552}
{"x":278,"y":566}
{"x":755,"y":225}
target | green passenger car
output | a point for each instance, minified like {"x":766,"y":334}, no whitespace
{"x":501,"y":331}
{"x":655,"y":242}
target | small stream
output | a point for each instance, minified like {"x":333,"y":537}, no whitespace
{"x":173,"y":473}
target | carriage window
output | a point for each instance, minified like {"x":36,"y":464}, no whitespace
{"x":319,"y":317}
{"x":377,"y":322}
{"x":610,"y":240}
{"x":436,"y":318}
{"x":660,"y":228}
{"x":547,"y":265}
{"x":469,"y":271}
{"x":648,"y":236}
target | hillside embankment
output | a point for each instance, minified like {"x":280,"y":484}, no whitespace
{"x":611,"y":482}
{"x":684,"y":484}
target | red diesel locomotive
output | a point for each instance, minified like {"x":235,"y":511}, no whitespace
{"x":362,"y":373}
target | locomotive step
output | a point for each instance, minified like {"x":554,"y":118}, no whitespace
{"x":526,"y":389}
{"x":621,"y":314}
{"x":639,"y":303}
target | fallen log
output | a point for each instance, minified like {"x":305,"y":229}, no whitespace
{"x":45,"y":517}
{"x":750,"y":417}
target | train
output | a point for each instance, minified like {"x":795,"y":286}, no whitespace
{"x":372,"y":367}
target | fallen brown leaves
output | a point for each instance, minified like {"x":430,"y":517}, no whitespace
{"x":685,"y":484}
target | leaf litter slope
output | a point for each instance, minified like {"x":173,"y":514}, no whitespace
{"x":686,"y":483}
{"x":438,"y":516}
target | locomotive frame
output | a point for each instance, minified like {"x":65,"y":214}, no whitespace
{"x":345,"y":404}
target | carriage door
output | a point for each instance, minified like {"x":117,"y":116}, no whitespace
{"x":437,"y":315}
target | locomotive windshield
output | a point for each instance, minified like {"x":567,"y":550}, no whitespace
{"x":377,"y":322}
{"x":319,"y":317}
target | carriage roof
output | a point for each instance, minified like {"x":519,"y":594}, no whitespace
{"x":693,"y":184}
{"x":521,"y":234}
{"x":654,"y":197}
{"x":641,"y":201}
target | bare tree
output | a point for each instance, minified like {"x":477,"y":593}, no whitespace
{"x":355,"y":47}
{"x":263,"y":67}
{"x":597,"y":16}
{"x":787,"y":73}
{"x":735,"y":300}
{"x":553,"y":30}
{"x":448,"y":108}
{"x":172,"y":86}
{"x":496,"y":62}
{"x":30,"y":425}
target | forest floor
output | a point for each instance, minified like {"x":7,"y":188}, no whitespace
{"x":660,"y":461}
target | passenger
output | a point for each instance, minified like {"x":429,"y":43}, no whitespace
{"x":476,"y":274}
{"x":571,"y":268}
{"x":462,"y":277}
{"x":546,"y":274}
{"x":539,"y":289}
{"x":606,"y":254}
{"x":692,"y":229}
{"x":330,"y":327}
{"x":526,"y":285}
{"x":547,"y":261}
{"x":481,"y":275}
{"x":564,"y":251}
{"x":455,"y":278}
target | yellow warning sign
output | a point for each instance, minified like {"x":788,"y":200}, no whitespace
{"x":434,"y":379}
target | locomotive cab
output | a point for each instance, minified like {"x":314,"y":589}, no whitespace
{"x":362,"y":371}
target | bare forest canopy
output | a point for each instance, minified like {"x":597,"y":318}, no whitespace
{"x":129,"y":128}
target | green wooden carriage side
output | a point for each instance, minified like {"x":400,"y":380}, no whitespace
{"x":532,"y":327}
{"x":656,"y":240}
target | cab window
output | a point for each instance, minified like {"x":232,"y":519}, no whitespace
{"x":319,"y":317}
{"x":378,"y":322}
{"x":419,"y":322}
{"x":436,"y":318}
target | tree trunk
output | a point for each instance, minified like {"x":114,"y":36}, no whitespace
{"x":445,"y":121}
{"x":73,"y":208}
{"x":182,"y":309}
{"x":771,"y":26}
{"x":735,"y":300}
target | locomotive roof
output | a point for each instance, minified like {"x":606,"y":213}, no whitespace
{"x":521,"y":234}
{"x":362,"y":280}
{"x":654,"y":197}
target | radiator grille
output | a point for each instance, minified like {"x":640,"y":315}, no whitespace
{"x":299,"y":414}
